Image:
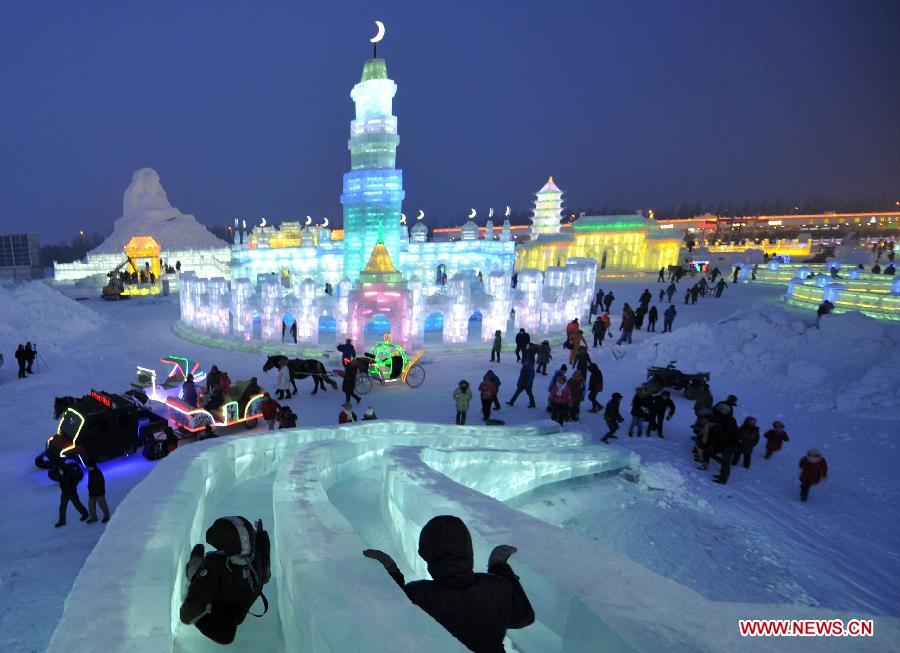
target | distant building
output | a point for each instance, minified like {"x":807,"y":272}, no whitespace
{"x":20,"y":257}
{"x":619,"y":243}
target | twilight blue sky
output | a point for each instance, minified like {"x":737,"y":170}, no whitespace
{"x":243,"y":107}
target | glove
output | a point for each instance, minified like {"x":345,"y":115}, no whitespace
{"x":259,"y":525}
{"x":382,"y":557}
{"x":501,"y":554}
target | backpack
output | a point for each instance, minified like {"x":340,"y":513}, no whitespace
{"x":249,"y":575}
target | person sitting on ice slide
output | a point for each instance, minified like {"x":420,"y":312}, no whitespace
{"x":225,"y":583}
{"x":475,"y":608}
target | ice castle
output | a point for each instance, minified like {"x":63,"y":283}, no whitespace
{"x":378,"y":267}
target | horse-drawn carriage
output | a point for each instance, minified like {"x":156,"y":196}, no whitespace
{"x":388,"y":362}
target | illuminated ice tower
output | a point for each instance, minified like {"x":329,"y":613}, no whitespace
{"x":373,"y":189}
{"x":547,"y":210}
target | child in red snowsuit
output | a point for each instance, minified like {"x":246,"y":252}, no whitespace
{"x":269,"y":409}
{"x":775,"y":437}
{"x":813,"y":468}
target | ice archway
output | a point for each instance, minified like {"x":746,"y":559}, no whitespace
{"x":327,"y":598}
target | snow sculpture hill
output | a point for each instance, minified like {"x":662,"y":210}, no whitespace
{"x":146,"y":211}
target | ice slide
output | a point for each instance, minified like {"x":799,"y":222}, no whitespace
{"x":328,"y":493}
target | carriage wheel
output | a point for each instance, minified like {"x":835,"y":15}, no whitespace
{"x":363,"y":383}
{"x":691,"y":391}
{"x":416,"y":376}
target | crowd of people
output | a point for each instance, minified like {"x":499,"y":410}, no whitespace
{"x":716,"y":434}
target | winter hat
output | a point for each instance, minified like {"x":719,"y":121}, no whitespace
{"x":233,"y":535}
{"x":616,"y":395}
{"x":347,"y":405}
{"x":731,"y":400}
{"x":777,"y":424}
{"x":814,"y":452}
{"x":446,"y":545}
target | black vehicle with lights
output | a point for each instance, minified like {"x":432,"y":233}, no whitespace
{"x":99,"y":426}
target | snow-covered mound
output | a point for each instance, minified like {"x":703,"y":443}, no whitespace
{"x":37,"y":313}
{"x":146,"y":211}
{"x":849,"y":364}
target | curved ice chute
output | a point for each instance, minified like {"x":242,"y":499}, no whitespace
{"x":339,"y":598}
{"x":506,"y":473}
{"x":586,"y":597}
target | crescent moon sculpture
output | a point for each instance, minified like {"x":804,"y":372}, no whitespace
{"x":491,"y":212}
{"x":308,"y":221}
{"x":262,"y":222}
{"x":507,"y":211}
{"x":380,"y":34}
{"x":471,"y":213}
{"x":324,"y":223}
{"x":421,"y":214}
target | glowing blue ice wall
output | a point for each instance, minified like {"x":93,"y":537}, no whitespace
{"x":373,"y":189}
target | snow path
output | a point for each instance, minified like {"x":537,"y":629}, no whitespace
{"x":849,"y":523}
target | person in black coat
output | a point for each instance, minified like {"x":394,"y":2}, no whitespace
{"x":348,"y":385}
{"x":69,"y":477}
{"x":96,"y":493}
{"x":612,"y":416}
{"x":645,"y":298}
{"x":348,"y":351}
{"x":30,"y":355}
{"x":21,"y":361}
{"x":721,"y":435}
{"x":189,"y":391}
{"x":652,"y":317}
{"x":522,"y":340}
{"x":594,"y":386}
{"x":659,"y":406}
{"x":524,"y":384}
{"x":476,"y":608}
{"x":225,"y":583}
{"x":640,"y":412}
{"x":608,"y":300}
{"x":748,"y":438}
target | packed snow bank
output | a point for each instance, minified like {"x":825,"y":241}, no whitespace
{"x":35,"y":312}
{"x":845,"y":365}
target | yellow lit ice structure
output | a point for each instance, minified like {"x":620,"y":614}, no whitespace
{"x":882,"y":306}
{"x":622,"y":243}
{"x":142,"y":253}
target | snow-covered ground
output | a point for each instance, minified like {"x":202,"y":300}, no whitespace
{"x":750,"y":541}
